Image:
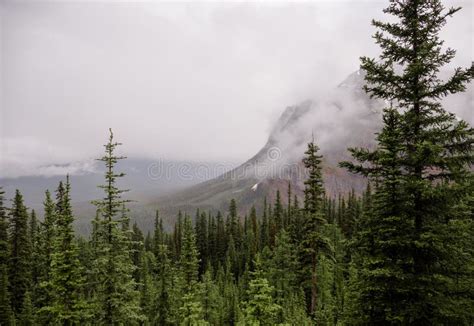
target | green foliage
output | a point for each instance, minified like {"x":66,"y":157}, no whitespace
{"x":5,"y":309}
{"x":66,"y":279}
{"x":117,"y":300}
{"x":260,"y":309}
{"x":313,"y":240}
{"x":27,"y":317}
{"x":20,"y":254}
{"x":211,"y":299}
{"x":413,"y":235}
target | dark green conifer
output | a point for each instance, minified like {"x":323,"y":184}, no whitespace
{"x":66,"y":276}
{"x":117,"y":297}
{"x":313,"y":240}
{"x":421,"y":170}
{"x":20,"y":254}
{"x":5,"y":309}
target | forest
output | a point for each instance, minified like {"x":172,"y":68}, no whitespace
{"x":399,"y":254}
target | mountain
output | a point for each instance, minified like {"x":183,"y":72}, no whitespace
{"x":345,"y":117}
{"x":145,"y":178}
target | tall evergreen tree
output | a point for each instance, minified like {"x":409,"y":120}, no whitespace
{"x":202,"y":240}
{"x":313,"y":240}
{"x":46,"y":238}
{"x":33,"y":231}
{"x":158,"y":235}
{"x":189,"y":262}
{"x":261,"y":308}
{"x":282,"y":269}
{"x":163,"y":284}
{"x":211,"y":299}
{"x":427,"y":156}
{"x":66,"y":277}
{"x":264,"y":229}
{"x":5,"y":309}
{"x":117,"y":298}
{"x":20,"y":254}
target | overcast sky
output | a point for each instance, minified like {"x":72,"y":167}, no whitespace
{"x":181,"y":81}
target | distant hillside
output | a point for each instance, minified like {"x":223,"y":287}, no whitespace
{"x":345,"y":117}
{"x":144,"y":177}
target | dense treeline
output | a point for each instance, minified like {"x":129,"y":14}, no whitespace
{"x":399,"y":254}
{"x":288,"y":266}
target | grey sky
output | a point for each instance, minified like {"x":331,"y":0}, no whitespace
{"x":193,"y":81}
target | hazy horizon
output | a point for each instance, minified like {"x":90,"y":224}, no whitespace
{"x":72,"y":70}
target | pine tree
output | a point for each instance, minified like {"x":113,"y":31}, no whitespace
{"x":260,"y":309}
{"x":33,"y":231}
{"x":5,"y":309}
{"x":189,"y":262}
{"x":27,"y":317}
{"x":384,"y":233}
{"x":158,"y":235}
{"x":163,"y":284}
{"x":426,"y":155}
{"x":211,"y":300}
{"x":137,"y":251}
{"x":66,"y":277}
{"x":220,"y":238}
{"x":202,"y":240}
{"x":212,"y":241}
{"x":117,"y":298}
{"x":191,"y":309}
{"x":283,"y":267}
{"x":233,"y":228}
{"x":147,"y":285}
{"x":20,"y":254}
{"x":313,"y":240}
{"x":278,"y":213}
{"x":289,"y":208}
{"x":177,"y":237}
{"x":264,"y":229}
{"x":46,"y":237}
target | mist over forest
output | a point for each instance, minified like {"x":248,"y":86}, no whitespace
{"x":214,"y":163}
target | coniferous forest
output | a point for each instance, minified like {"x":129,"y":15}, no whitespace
{"x":399,"y":254}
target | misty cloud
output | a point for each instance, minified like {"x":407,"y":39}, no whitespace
{"x":183,"y":81}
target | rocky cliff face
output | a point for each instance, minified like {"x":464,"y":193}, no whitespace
{"x":345,"y":117}
{"x":342,"y":118}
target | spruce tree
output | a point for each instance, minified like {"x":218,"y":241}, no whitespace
{"x":117,"y":298}
{"x":33,"y":231}
{"x":313,"y":239}
{"x":421,"y":170}
{"x":158,"y":235}
{"x":163,"y":285}
{"x":66,"y":277}
{"x":46,"y":237}
{"x":5,"y":309}
{"x":264,"y":229}
{"x":384,"y":233}
{"x":211,"y":299}
{"x":220,"y":239}
{"x":20,"y":254}
{"x":283,"y":267}
{"x":27,"y":315}
{"x":260,"y":309}
{"x":202,"y":240}
{"x":278,"y":213}
{"x":190,"y":309}
{"x":189,"y":262}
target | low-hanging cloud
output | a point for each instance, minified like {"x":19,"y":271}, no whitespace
{"x":191,"y":81}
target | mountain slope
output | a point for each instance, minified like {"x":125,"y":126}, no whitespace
{"x":345,"y":117}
